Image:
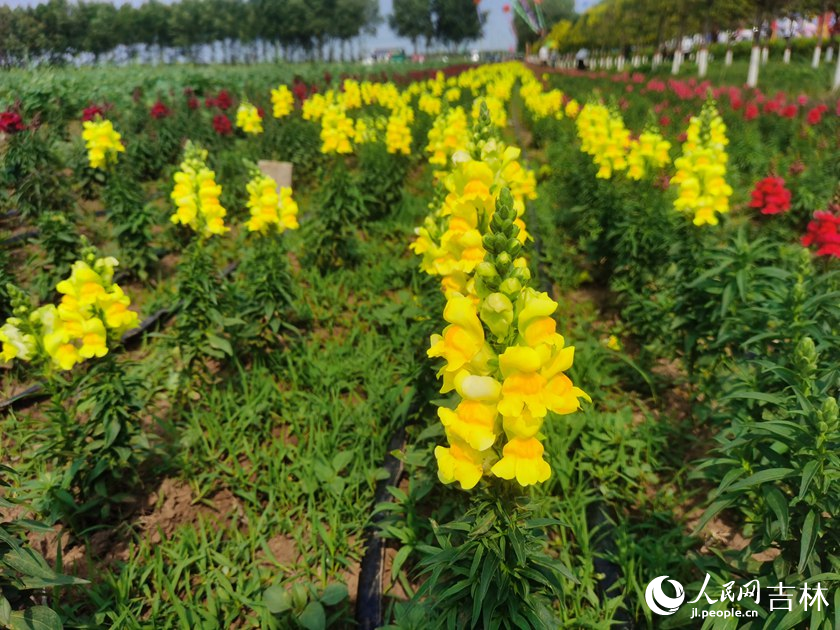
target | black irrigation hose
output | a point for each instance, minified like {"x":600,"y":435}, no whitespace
{"x":36,"y":393}
{"x":369,"y":609}
{"x":599,"y":515}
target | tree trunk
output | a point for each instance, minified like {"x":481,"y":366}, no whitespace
{"x":755,"y":53}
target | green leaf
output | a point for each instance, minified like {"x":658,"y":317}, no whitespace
{"x":313,"y":617}
{"x":28,"y":562}
{"x":777,"y":502}
{"x":810,"y":532}
{"x":335,"y":593}
{"x":808,"y":476}
{"x":277,"y":599}
{"x":6,"y":611}
{"x":762,"y":396}
{"x":36,"y":618}
{"x":219,"y":343}
{"x":400,"y":558}
{"x":762,"y":476}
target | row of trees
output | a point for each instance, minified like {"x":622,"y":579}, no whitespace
{"x":239,"y":30}
{"x":620,"y":23}
{"x":452,"y":21}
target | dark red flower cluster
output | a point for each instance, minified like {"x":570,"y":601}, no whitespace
{"x":824,"y":232}
{"x":159,"y":110}
{"x":223,"y":100}
{"x":300,"y":91}
{"x":11,"y":122}
{"x":92,"y":111}
{"x":770,"y":196}
{"x":750,"y":111}
{"x":193,"y":102}
{"x":221,"y":124}
{"x":815,"y":115}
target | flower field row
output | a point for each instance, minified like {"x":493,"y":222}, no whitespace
{"x":226,"y":471}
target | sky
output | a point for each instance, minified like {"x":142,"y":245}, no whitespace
{"x":498,"y":31}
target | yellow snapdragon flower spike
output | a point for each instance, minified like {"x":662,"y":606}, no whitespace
{"x":603,"y":136}
{"x":450,"y":240}
{"x":16,"y":344}
{"x":103,"y":143}
{"x":449,"y":133}
{"x":248,"y":119}
{"x":196,"y":195}
{"x":506,"y":363}
{"x":647,"y":155}
{"x":701,"y":169}
{"x":270,"y":208}
{"x":93,"y":312}
{"x":398,"y":133}
{"x":282,"y":101}
{"x":337,"y":131}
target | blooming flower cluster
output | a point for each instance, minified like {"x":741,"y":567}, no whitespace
{"x":337,"y":131}
{"x":270,"y":207}
{"x":92,"y":112}
{"x":159,"y":110}
{"x":398,"y":131}
{"x":450,"y":240}
{"x":539,"y":103}
{"x":770,"y":196}
{"x":93,"y":313}
{"x":11,"y":122}
{"x":102,"y":141}
{"x":223,"y":101}
{"x":282,"y":101}
{"x":824,"y":232}
{"x":647,"y":154}
{"x":449,"y":132}
{"x":701,"y":169}
{"x":196,"y":195}
{"x":249,"y":118}
{"x":603,"y":136}
{"x":505,"y":362}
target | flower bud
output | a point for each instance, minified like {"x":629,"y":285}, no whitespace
{"x":486,"y":270}
{"x":511,"y":286}
{"x":497,"y":313}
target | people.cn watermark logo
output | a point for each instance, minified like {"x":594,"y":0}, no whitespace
{"x":660,"y":603}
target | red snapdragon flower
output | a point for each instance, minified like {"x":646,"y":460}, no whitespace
{"x":751,"y":111}
{"x":11,"y":122}
{"x":159,"y":110}
{"x":223,"y":101}
{"x":824,"y":232}
{"x":192,"y":102}
{"x":221,"y":124}
{"x":92,"y":111}
{"x":770,"y":196}
{"x":790,"y":111}
{"x":815,"y":115}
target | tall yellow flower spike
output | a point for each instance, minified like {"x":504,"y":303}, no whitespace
{"x":701,"y":169}
{"x":103,"y":143}
{"x":196,"y":195}
{"x":506,"y":362}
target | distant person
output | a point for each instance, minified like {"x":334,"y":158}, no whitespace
{"x":543,"y":55}
{"x":580,"y":58}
